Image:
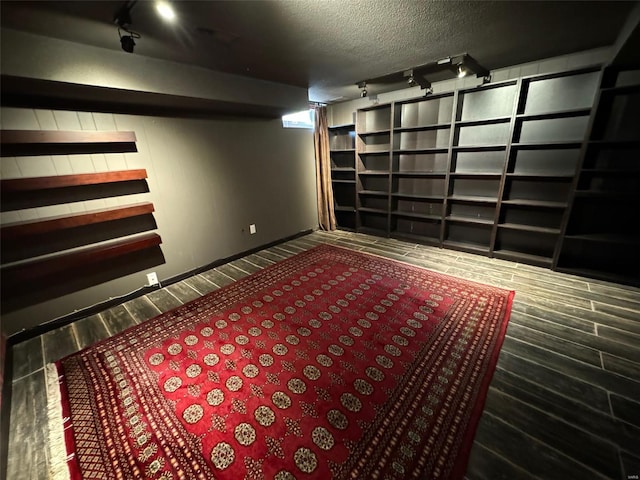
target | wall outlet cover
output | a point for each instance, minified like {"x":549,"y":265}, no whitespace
{"x":152,"y":278}
{"x":252,"y":228}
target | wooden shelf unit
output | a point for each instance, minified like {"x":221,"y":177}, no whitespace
{"x":70,"y":137}
{"x":343,"y":174}
{"x":599,"y":237}
{"x":512,"y":170}
{"x":19,"y":185}
{"x":46,"y":142}
{"x":373,"y":173}
{"x":18,"y":230}
{"x":72,"y":264}
{"x":61,"y":267}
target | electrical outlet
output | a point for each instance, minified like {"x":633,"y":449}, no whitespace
{"x":152,"y":278}
{"x":252,"y":228}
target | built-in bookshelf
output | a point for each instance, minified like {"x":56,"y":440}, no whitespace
{"x":600,"y":237}
{"x":343,"y":174}
{"x":422,"y":131}
{"x":524,"y":170}
{"x":373,"y":151}
{"x":483,"y":124}
{"x":550,"y":125}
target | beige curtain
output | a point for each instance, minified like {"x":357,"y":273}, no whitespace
{"x":326,"y":214}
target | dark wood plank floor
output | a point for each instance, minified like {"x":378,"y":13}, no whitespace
{"x":563,"y":403}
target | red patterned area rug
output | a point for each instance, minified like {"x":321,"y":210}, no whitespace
{"x":330,"y":364}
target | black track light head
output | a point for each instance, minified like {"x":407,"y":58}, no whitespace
{"x":363,"y":89}
{"x":127,"y":43}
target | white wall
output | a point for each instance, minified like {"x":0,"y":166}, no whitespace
{"x":344,"y":112}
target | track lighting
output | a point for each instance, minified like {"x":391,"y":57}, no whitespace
{"x":363,"y":89}
{"x":417,"y":80}
{"x":122,"y":19}
{"x":126,"y":41}
{"x":460,"y":66}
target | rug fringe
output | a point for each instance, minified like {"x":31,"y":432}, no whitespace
{"x":58,"y":469}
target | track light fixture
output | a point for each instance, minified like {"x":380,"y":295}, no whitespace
{"x":363,"y":89}
{"x":122,"y":19}
{"x":417,"y":80}
{"x":126,"y":41}
{"x":459,"y":66}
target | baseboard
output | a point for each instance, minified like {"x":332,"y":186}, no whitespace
{"x":94,"y":309}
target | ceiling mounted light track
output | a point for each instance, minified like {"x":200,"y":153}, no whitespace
{"x":454,"y":66}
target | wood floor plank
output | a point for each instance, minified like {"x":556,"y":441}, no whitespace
{"x":183,"y":292}
{"x":305,"y":243}
{"x":592,"y":421}
{"x":217,"y":278}
{"x":588,"y":449}
{"x":617,"y":310}
{"x":590,"y":395}
{"x":619,"y":335}
{"x":549,"y":302}
{"x":245,"y":266}
{"x":90,"y":330}
{"x":531,"y":455}
{"x":200,"y":284}
{"x":577,"y":312}
{"x":552,"y":343}
{"x":59,"y":343}
{"x":117,"y":319}
{"x":548,"y":276}
{"x":141,"y":309}
{"x":451,"y":257}
{"x":27,"y":357}
{"x":500,"y":281}
{"x":163,"y":300}
{"x":28,"y":435}
{"x":484,"y":464}
{"x":259,"y":261}
{"x":626,"y":409}
{"x":354,"y":244}
{"x":456,"y":269}
{"x":555,"y":317}
{"x":584,"y":340}
{"x":288,"y":248}
{"x":616,"y":291}
{"x":268,"y":255}
{"x":622,"y":366}
{"x":564,"y":296}
{"x":231,"y":272}
{"x":581,"y":371}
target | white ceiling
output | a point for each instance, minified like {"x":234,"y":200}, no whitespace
{"x":330,"y":45}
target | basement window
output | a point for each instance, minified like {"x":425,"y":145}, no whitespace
{"x":303,"y":119}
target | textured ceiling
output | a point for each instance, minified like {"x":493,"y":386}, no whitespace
{"x":329,"y":45}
